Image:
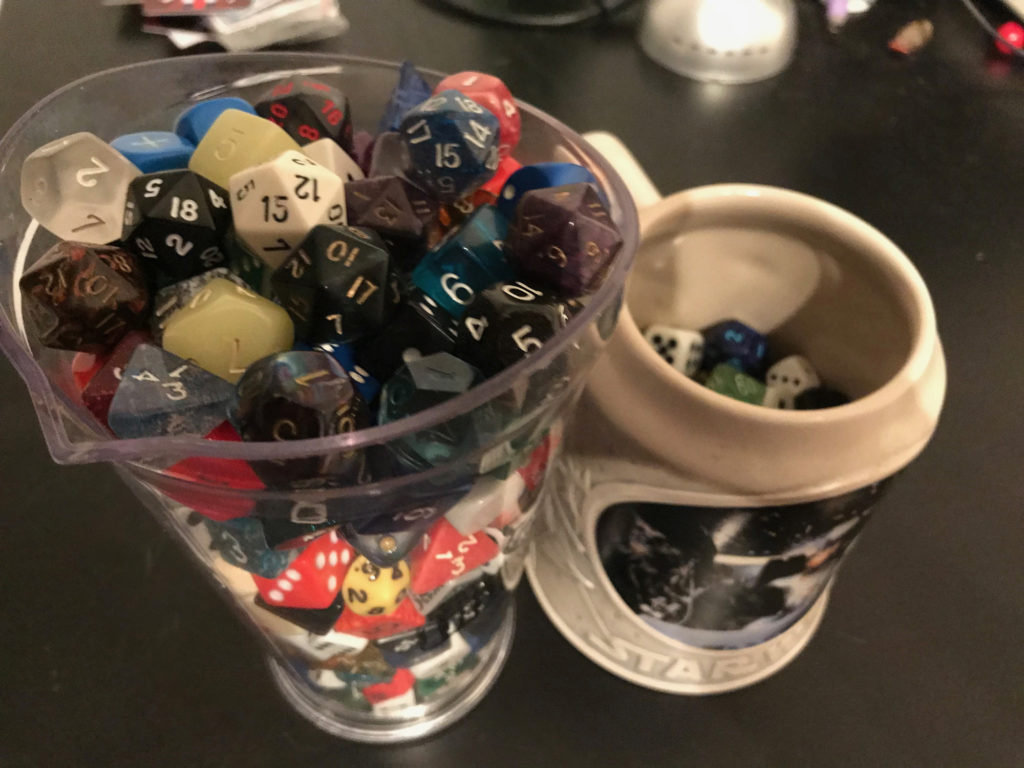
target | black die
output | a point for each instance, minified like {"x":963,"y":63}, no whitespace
{"x":309,"y":110}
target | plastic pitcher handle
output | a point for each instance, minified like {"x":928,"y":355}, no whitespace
{"x":621,"y":159}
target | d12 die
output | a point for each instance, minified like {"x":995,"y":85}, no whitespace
{"x":193,"y":124}
{"x":507,"y":322}
{"x":564,"y":238}
{"x":492,"y":94}
{"x":225,"y":328}
{"x":452,"y":143}
{"x":176,"y":296}
{"x":241,"y":542}
{"x":370,"y":590}
{"x":235,"y":141}
{"x":788,"y":378}
{"x":334,"y":286}
{"x":176,"y":221}
{"x":276,"y":204}
{"x":471,"y":259}
{"x":541,"y":176}
{"x":153,"y":151}
{"x":375,"y":626}
{"x":75,"y":187}
{"x":84,"y":297}
{"x":681,"y":348}
{"x":99,"y":392}
{"x":314,"y":578}
{"x":445,"y":554}
{"x":419,"y":328}
{"x":410,"y":91}
{"x":298,"y":395}
{"x":327,"y":153}
{"x":730,"y":381}
{"x":162,"y":394}
{"x":732,"y":342}
{"x":309,"y":110}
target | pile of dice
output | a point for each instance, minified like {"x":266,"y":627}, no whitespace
{"x":267,"y":273}
{"x":731,"y":358}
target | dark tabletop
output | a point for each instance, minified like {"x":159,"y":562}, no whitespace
{"x":114,"y":651}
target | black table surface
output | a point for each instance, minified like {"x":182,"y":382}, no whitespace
{"x":114,"y":651}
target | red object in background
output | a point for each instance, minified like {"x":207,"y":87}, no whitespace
{"x":84,"y":366}
{"x":533,"y":471}
{"x":1013,"y":33}
{"x":493,"y":95}
{"x":445,"y":554}
{"x":313,"y":579}
{"x":99,"y":392}
{"x":402,"y":619}
{"x":396,"y":686}
{"x":152,"y":8}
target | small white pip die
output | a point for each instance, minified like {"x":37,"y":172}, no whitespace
{"x":787,"y":379}
{"x":681,"y":348}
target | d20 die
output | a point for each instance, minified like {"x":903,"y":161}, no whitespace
{"x":309,"y":110}
{"x":445,"y":554}
{"x":788,"y":378}
{"x":176,"y":220}
{"x":541,"y":176}
{"x":193,"y":124}
{"x":370,"y":590}
{"x":235,"y":141}
{"x":452,"y":143}
{"x":178,"y":295}
{"x":99,"y":392}
{"x":736,"y":344}
{"x":276,"y":204}
{"x":153,"y":151}
{"x":410,"y":90}
{"x":507,"y":322}
{"x":75,"y":187}
{"x":681,"y":348}
{"x":162,"y":394}
{"x":327,"y":153}
{"x":730,"y":381}
{"x":313,"y":579}
{"x":241,"y":543}
{"x":84,"y":297}
{"x":491,"y":93}
{"x":225,"y":328}
{"x":373,"y":627}
{"x":564,"y":238}
{"x":334,"y":286}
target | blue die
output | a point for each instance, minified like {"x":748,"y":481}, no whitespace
{"x":411,"y":90}
{"x":153,"y":151}
{"x":736,"y":344}
{"x":541,"y":176}
{"x":471,"y":259}
{"x":367,"y":386}
{"x":195,"y":121}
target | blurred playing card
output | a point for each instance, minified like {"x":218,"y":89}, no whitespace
{"x":268,"y":22}
{"x":191,"y":7}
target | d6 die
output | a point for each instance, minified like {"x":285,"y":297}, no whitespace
{"x":309,"y":110}
{"x":370,"y":590}
{"x":681,"y":348}
{"x":788,"y":378}
{"x":76,"y":187}
{"x":314,"y":578}
{"x":193,"y":124}
{"x":153,"y":151}
{"x":730,"y":381}
{"x":736,"y":344}
{"x":492,"y":94}
{"x":540,"y":176}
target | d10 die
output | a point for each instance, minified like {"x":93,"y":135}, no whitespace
{"x":788,"y":378}
{"x":99,"y":392}
{"x":335,"y":285}
{"x":176,"y":221}
{"x":730,"y":381}
{"x":237,"y":140}
{"x":162,"y":394}
{"x":445,"y":554}
{"x":176,"y":296}
{"x":681,"y":348}
{"x":410,"y":90}
{"x":241,"y":543}
{"x":471,"y":259}
{"x":540,"y":176}
{"x":314,"y":578}
{"x":452,"y":143}
{"x":309,"y":110}
{"x":193,"y":124}
{"x":154,"y":151}
{"x":507,"y":322}
{"x":375,"y":626}
{"x":327,"y":153}
{"x":76,"y":187}
{"x":732,"y":342}
{"x":225,"y":328}
{"x":276,"y":204}
{"x":370,"y":590}
{"x":84,"y":297}
{"x":492,"y":94}
{"x":564,"y":238}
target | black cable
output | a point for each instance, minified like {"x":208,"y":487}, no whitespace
{"x":980,"y":18}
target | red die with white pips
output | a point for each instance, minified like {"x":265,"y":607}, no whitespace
{"x":314,"y":577}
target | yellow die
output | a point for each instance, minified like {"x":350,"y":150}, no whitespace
{"x":236,"y":141}
{"x":225,"y":328}
{"x":372,"y":591}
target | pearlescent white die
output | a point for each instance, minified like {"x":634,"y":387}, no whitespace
{"x":327,"y":153}
{"x":787,"y":379}
{"x":681,"y":348}
{"x":276,"y":204}
{"x":76,"y":187}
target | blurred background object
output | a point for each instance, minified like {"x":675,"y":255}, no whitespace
{"x":538,"y":13}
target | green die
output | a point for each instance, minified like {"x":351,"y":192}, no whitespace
{"x":732,"y":382}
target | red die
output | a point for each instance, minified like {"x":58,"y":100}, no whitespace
{"x":491,"y":94}
{"x":402,"y":619}
{"x":444,"y":554}
{"x":313,"y":578}
{"x":99,"y":392}
{"x":84,"y":366}
{"x":402,"y":682}
{"x":492,"y":187}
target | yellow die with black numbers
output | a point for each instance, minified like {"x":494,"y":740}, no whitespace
{"x":370,"y":590}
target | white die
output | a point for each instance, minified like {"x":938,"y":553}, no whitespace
{"x":76,"y":187}
{"x":327,"y":153}
{"x":681,"y":348}
{"x":787,"y":379}
{"x":276,"y":204}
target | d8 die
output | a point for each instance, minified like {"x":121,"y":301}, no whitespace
{"x":468,"y":261}
{"x":193,"y":124}
{"x":237,"y":140}
{"x":327,"y":153}
{"x":788,"y":378}
{"x":153,"y":151}
{"x":681,"y":348}
{"x":564,"y":238}
{"x":176,"y":220}
{"x":76,"y":187}
{"x":507,"y":322}
{"x":309,"y":110}
{"x":492,"y":94}
{"x":335,"y":285}
{"x":84,"y":297}
{"x":394,"y":208}
{"x":314,"y":578}
{"x":732,"y":342}
{"x":540,"y":176}
{"x":162,"y":394}
{"x":225,"y":328}
{"x":370,"y":590}
{"x":276,"y":204}
{"x":410,"y":90}
{"x":730,"y":381}
{"x":452,"y":143}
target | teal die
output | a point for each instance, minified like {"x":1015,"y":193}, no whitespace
{"x":242,"y":543}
